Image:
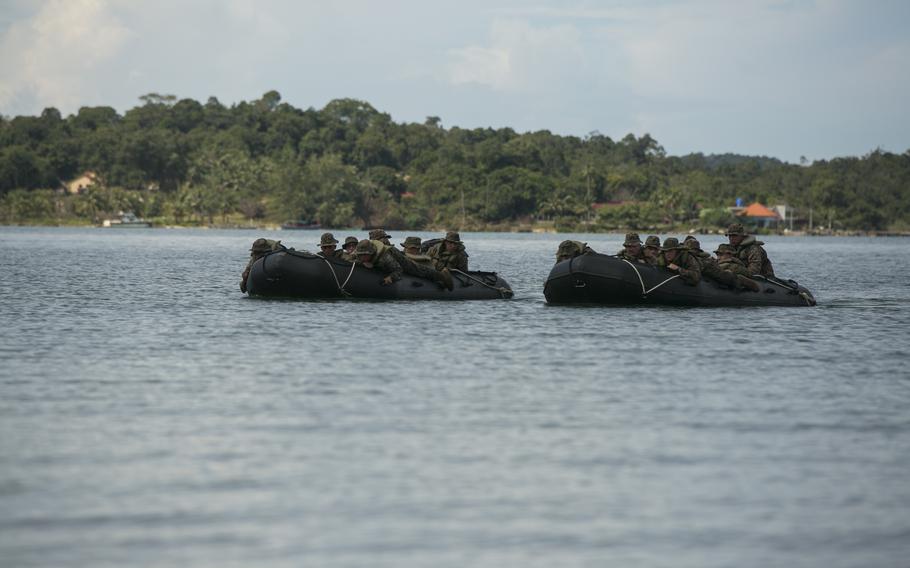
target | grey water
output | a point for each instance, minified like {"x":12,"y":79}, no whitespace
{"x":152,"y":415}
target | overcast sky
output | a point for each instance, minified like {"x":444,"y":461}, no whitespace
{"x":768,"y":77}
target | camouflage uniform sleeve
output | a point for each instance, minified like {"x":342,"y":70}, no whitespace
{"x":691,"y":272}
{"x":389,"y":266}
{"x":753,"y":258}
{"x":711,"y":269}
{"x":460,"y":262}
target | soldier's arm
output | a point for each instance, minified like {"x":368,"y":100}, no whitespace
{"x":754,"y":260}
{"x":461,"y":263}
{"x":691,"y":274}
{"x":390,"y":266}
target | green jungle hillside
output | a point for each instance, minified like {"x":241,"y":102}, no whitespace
{"x":349,"y":165}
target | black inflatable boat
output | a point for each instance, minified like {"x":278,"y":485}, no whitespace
{"x":303,"y":275}
{"x":602,"y":279}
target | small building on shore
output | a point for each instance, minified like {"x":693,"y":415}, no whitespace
{"x":757,"y":215}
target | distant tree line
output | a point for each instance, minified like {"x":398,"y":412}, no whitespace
{"x":182,"y":161}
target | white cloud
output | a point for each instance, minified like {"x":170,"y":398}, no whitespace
{"x":487,"y":66}
{"x":51,"y":57}
{"x":520,"y":57}
{"x":696,"y":74}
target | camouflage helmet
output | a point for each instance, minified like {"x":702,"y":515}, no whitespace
{"x":653,"y":242}
{"x":411,"y":242}
{"x":671,"y":243}
{"x":735,"y":229}
{"x":264,"y":245}
{"x":724,"y":248}
{"x":631,"y":239}
{"x":692,"y":243}
{"x":379,"y":234}
{"x":350,"y":241}
{"x":365,"y":247}
{"x":452,"y":237}
{"x":327,"y":240}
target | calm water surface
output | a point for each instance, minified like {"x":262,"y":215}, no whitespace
{"x":151,"y":415}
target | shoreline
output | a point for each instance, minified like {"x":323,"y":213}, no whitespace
{"x":523,"y":228}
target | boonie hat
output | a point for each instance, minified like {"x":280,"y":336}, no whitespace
{"x":327,"y":239}
{"x":569,"y":249}
{"x":379,"y":234}
{"x":692,"y":243}
{"x":652,"y":241}
{"x":735,"y":229}
{"x":724,"y":248}
{"x":264,"y":245}
{"x":671,"y":243}
{"x":631,"y":239}
{"x":452,"y":237}
{"x":411,"y":242}
{"x":350,"y":241}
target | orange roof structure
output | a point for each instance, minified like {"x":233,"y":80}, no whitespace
{"x":758,"y":210}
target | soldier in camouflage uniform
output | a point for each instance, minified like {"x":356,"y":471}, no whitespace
{"x":347,"y":251}
{"x":631,"y":249}
{"x":749,"y":251}
{"x":369,"y":256}
{"x":676,"y":258}
{"x":712,"y":270}
{"x":571,"y":249}
{"x":732,"y":265}
{"x":728,"y":262}
{"x":691,"y":243}
{"x":386,"y":259}
{"x":411,"y":246}
{"x":260,"y":248}
{"x":328,"y":244}
{"x":651,"y":250}
{"x":450,"y":253}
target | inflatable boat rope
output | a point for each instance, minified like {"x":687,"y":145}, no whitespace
{"x":788,"y":284}
{"x":335,"y":276}
{"x":503,"y":292}
{"x":645,"y":292}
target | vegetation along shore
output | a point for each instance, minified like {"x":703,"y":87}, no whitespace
{"x":263,"y":162}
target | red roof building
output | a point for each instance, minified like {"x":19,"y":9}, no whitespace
{"x":759,"y":215}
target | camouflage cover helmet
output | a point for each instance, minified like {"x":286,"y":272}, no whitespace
{"x":350,"y":241}
{"x":379,"y":234}
{"x":735,"y":229}
{"x":327,"y":240}
{"x":411,"y":242}
{"x":671,"y":243}
{"x":653,"y":242}
{"x":631,"y":239}
{"x":724,"y":248}
{"x":452,"y":237}
{"x":264,"y":245}
{"x":365,"y":247}
{"x":692,"y":243}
